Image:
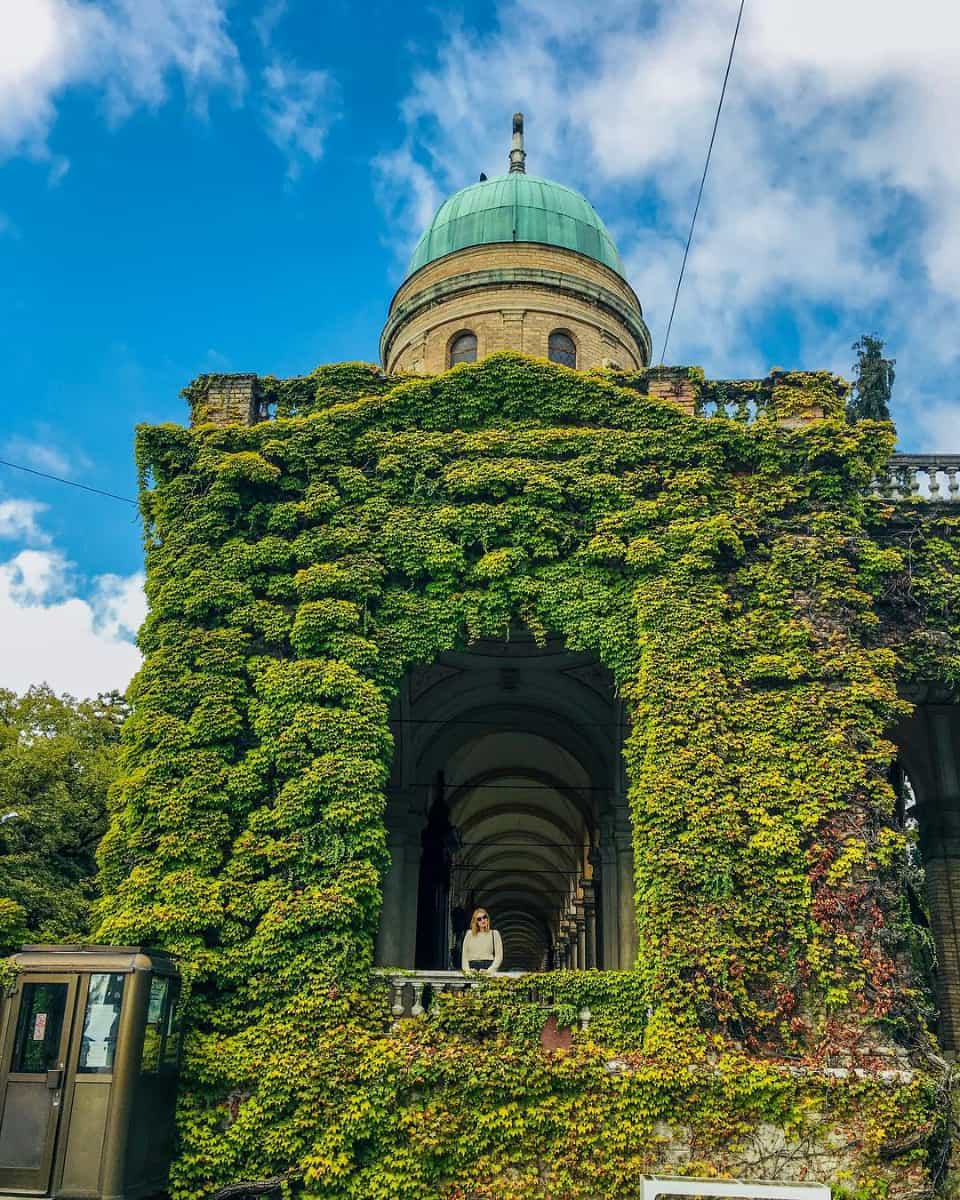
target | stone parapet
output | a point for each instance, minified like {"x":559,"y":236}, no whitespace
{"x":224,"y":400}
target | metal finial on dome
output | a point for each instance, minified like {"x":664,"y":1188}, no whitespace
{"x":518,"y":156}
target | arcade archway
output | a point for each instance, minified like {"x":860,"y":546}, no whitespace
{"x":928,"y":743}
{"x":508,"y":792}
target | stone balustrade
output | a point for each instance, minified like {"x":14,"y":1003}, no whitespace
{"x":412,"y":991}
{"x":931,"y":477}
{"x":663,"y":1187}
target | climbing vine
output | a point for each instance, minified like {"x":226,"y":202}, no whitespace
{"x":747,"y":598}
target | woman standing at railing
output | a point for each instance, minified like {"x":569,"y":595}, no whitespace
{"x":482,"y":947}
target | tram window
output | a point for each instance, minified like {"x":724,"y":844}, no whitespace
{"x":101,"y":1021}
{"x":36,"y":1047}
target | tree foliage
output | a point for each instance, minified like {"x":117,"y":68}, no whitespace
{"x":873,"y":381}
{"x":58,"y":757}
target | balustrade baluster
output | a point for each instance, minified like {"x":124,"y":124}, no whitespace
{"x":916,"y":476}
{"x":417,"y":1009}
{"x":396,"y":987}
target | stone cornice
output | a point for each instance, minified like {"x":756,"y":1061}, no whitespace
{"x":527,"y":277}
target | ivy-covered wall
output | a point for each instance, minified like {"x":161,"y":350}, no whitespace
{"x":743,"y":591}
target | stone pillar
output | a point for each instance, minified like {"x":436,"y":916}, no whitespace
{"x":568,"y":941}
{"x":397,"y":936}
{"x":943,"y":891}
{"x":582,"y":961}
{"x":608,"y":895}
{"x":940,"y":844}
{"x":674,"y":384}
{"x":590,"y":924}
{"x":512,"y":329}
{"x":224,"y":400}
{"x":626,"y":904}
{"x":797,"y":398}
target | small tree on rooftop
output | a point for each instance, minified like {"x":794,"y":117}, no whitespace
{"x":873,"y":381}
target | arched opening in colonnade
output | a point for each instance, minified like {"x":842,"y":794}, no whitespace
{"x":508,"y":793}
{"x":926,"y":779}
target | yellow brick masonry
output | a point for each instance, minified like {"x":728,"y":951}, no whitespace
{"x":512,"y":316}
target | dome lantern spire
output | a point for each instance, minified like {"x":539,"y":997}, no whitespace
{"x":518,"y":156}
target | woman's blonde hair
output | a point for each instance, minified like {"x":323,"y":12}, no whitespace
{"x":477,"y":913}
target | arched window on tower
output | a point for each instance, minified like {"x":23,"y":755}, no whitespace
{"x":463,"y":348}
{"x":561,"y":348}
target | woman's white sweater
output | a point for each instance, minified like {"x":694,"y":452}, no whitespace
{"x":478,"y":946}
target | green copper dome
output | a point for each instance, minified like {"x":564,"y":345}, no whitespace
{"x":516,"y":208}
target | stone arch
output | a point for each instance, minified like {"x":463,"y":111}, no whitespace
{"x":928,"y":749}
{"x":508,"y":791}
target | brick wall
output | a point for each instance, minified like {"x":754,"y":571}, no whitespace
{"x":513,"y":316}
{"x":225,"y":400}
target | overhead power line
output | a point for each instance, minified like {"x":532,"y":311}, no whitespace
{"x":69,"y":482}
{"x":703,"y":180}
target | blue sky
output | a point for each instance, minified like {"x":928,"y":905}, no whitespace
{"x":196,"y":185}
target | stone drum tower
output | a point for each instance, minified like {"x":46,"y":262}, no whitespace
{"x":515,"y":263}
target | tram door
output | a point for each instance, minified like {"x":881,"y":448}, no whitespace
{"x":32,"y":1073}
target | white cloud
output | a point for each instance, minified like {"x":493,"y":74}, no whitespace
{"x":42,"y":455}
{"x":408,"y":193}
{"x":940,"y":426}
{"x":299,"y":106}
{"x":131,"y":52}
{"x":49,"y":634}
{"x":831,"y":202}
{"x":266,"y":21}
{"x":119,"y":604}
{"x":33,"y":576}
{"x":126,"y":48}
{"x":18,"y":521}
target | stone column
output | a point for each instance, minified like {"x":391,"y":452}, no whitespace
{"x":943,"y":891}
{"x":582,"y":961}
{"x":590,"y":924}
{"x":570,"y":943}
{"x":626,"y":904}
{"x":940,"y":844}
{"x":397,"y":936}
{"x":608,"y":895}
